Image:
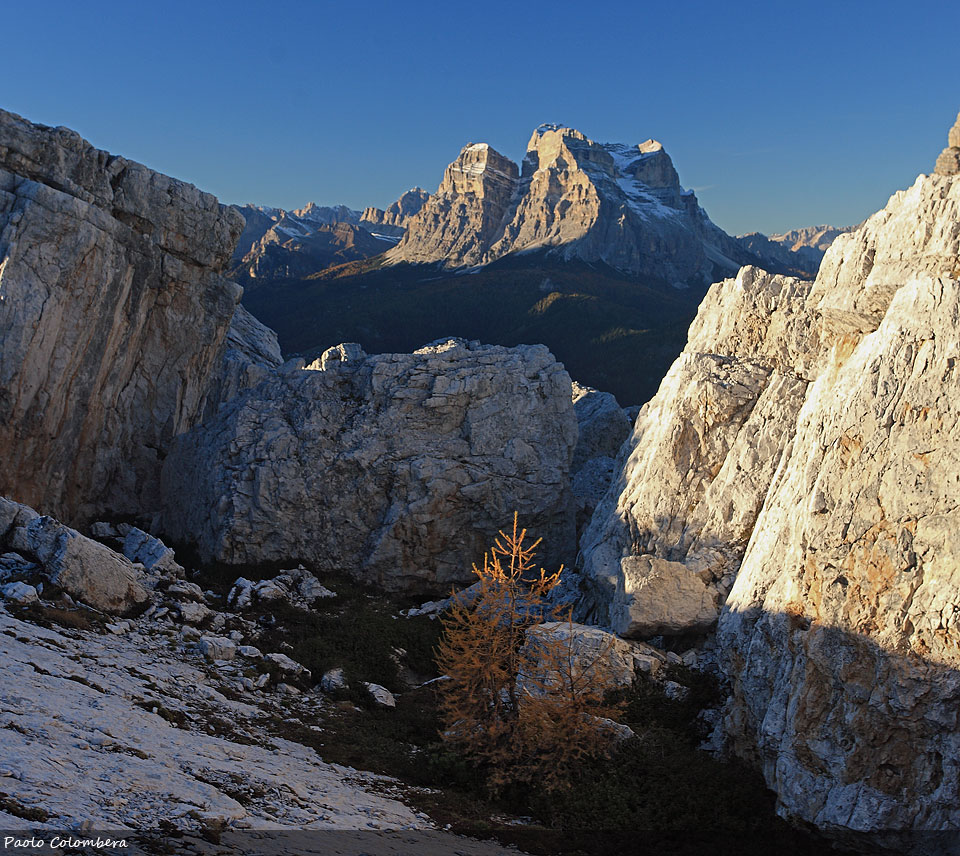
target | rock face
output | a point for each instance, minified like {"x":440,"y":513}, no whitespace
{"x":692,"y":479}
{"x":398,"y":468}
{"x":113,"y":314}
{"x":617,"y":204}
{"x":602,"y":427}
{"x":812,"y":435}
{"x":393,"y":221}
{"x":252,"y":354}
{"x":460,"y":222}
{"x":949,"y":161}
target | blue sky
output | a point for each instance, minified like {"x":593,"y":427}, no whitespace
{"x":778,"y":114}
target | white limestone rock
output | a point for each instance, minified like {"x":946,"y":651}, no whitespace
{"x":285,"y":664}
{"x":400,"y":468}
{"x":813,"y":455}
{"x":586,"y":651}
{"x":192,"y":612}
{"x":380,"y":695}
{"x":655,"y":597}
{"x":297,"y":586}
{"x":112,"y":320}
{"x":217,"y":647}
{"x":85,"y":569}
{"x":19,"y":592}
{"x":692,"y":478}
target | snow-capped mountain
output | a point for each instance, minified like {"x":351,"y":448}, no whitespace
{"x":261,"y":219}
{"x":596,"y":202}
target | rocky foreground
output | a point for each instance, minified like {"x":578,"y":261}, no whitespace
{"x":783,"y":511}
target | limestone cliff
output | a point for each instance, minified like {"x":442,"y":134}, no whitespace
{"x":611,"y":203}
{"x":803,"y":453}
{"x":398,"y":468}
{"x":113,"y":313}
{"x":458,"y":224}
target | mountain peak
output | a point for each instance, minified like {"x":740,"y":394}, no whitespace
{"x":598,"y":202}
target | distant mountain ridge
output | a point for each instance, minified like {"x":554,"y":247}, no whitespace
{"x":594,"y":249}
{"x":277,"y":243}
{"x":797,"y":252}
{"x":595,"y":202}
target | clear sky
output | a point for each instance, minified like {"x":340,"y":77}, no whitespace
{"x":778,"y":114}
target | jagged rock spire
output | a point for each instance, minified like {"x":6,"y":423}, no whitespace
{"x":949,"y":161}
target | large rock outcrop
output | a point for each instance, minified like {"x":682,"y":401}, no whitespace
{"x":597,"y":202}
{"x":949,"y":161}
{"x":398,"y":468}
{"x":692,"y":479}
{"x":807,"y":444}
{"x":113,"y":314}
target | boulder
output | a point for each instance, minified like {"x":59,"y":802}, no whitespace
{"x":949,"y":161}
{"x":19,"y":592}
{"x":586,"y":651}
{"x":296,"y":586}
{"x":333,"y":680}
{"x":217,"y":647}
{"x":155,"y":556}
{"x":285,"y":664}
{"x":192,"y":612}
{"x":249,"y":652}
{"x":113,"y":321}
{"x":85,"y":569}
{"x":655,"y":597}
{"x":400,"y":468}
{"x":380,"y":695}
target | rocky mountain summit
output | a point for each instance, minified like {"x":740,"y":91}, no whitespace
{"x":798,"y":252}
{"x":597,"y":202}
{"x":794,"y":480}
{"x":279,"y":244}
{"x":260,"y":219}
{"x":289,"y":249}
{"x":393,"y":221}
